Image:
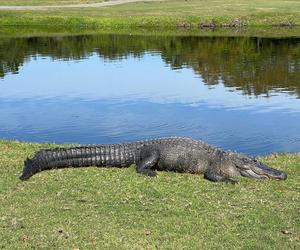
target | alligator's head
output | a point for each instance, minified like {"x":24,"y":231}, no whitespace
{"x":252,"y":168}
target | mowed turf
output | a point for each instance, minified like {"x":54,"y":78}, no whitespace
{"x":166,"y":13}
{"x":110,"y":208}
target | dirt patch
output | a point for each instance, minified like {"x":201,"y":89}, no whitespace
{"x":87,"y":5}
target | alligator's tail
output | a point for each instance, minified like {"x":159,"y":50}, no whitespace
{"x":98,"y":155}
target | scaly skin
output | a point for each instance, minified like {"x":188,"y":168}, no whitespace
{"x":178,"y":154}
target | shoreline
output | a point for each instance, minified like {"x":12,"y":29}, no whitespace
{"x":40,"y":31}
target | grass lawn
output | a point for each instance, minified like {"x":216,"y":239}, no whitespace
{"x":168,"y":13}
{"x":98,"y":208}
{"x":45,"y":2}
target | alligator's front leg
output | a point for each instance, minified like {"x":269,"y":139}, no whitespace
{"x":213,"y":175}
{"x":147,"y":161}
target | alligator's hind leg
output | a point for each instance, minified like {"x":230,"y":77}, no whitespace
{"x":147,"y":161}
{"x":213,"y":175}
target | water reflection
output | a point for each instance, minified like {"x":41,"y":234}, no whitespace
{"x":112,"y":88}
{"x":253,"y":65}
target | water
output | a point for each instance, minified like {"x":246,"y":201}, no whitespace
{"x":236,"y":93}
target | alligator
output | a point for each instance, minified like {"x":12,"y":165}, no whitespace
{"x":178,"y":154}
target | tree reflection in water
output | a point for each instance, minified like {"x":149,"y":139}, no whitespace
{"x":254,"y":65}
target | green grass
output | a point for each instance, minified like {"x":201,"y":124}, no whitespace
{"x":99,"y":208}
{"x":170,"y":13}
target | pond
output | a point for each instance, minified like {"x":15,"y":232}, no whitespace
{"x":237,"y":93}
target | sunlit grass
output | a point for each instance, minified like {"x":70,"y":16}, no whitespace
{"x":172,"y":13}
{"x":94,"y":208}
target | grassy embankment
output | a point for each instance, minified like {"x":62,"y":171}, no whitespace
{"x":90,"y":208}
{"x":56,"y":31}
{"x":167,"y":14}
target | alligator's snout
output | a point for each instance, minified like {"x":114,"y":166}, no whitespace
{"x":259,"y":170}
{"x":281,"y":176}
{"x":271,"y":173}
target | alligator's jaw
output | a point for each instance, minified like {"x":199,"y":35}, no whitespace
{"x":259,"y":170}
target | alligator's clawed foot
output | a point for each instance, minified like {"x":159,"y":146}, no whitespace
{"x":148,"y":172}
{"x":145,"y":165}
{"x":231,"y":181}
{"x":216,"y":177}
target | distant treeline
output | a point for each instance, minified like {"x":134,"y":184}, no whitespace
{"x":253,"y":65}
